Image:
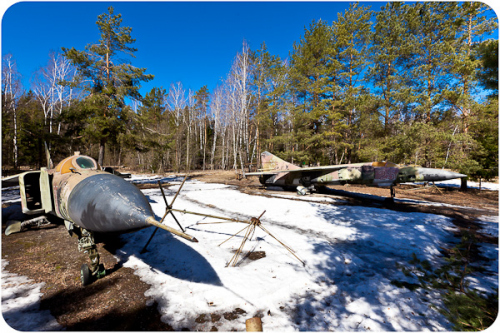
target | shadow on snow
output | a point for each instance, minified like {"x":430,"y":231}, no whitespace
{"x":355,"y":289}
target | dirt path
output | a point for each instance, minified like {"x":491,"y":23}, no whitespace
{"x":117,"y":302}
{"x":51,"y":256}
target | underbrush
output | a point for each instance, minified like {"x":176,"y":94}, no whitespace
{"x":467,"y":308}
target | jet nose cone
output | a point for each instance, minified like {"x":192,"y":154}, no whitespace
{"x":107,"y":203}
{"x":427,"y":174}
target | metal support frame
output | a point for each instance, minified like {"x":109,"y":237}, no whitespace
{"x":393,"y":192}
{"x":168,"y":210}
{"x":253,"y":223}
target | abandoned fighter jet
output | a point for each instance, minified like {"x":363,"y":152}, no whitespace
{"x":277,"y":172}
{"x":88,"y":200}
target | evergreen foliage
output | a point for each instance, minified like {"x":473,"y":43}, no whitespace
{"x":414,"y":83}
{"x":107,"y":79}
{"x":487,"y":52}
{"x":466,"y":308}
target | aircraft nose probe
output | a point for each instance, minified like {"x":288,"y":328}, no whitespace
{"x":106,"y":203}
{"x":429,"y":175}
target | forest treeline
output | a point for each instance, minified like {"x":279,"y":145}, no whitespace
{"x":412,"y":83}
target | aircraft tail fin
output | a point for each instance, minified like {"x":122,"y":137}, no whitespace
{"x":50,"y":165}
{"x":272,"y":162}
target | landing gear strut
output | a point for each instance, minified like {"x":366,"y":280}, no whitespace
{"x":86,"y":244}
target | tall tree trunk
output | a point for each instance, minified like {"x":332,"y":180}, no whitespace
{"x":102,"y":146}
{"x":15,"y":140}
{"x":205,"y":142}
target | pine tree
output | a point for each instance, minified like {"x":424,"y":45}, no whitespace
{"x":269,"y":81}
{"x":32,"y":132}
{"x":432,"y":28}
{"x":389,"y":53}
{"x":352,"y":34}
{"x":487,"y":52}
{"x":107,"y":79}
{"x":471,"y":23}
{"x":153,"y":125}
{"x":312,"y":69}
{"x":433,"y":32}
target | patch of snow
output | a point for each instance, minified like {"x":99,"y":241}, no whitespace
{"x":489,"y":225}
{"x":11,"y":194}
{"x":310,"y":198}
{"x":486,"y":282}
{"x":145,"y":179}
{"x":351,"y":253}
{"x":21,"y":304}
{"x":470,"y":184}
{"x":428,"y":203}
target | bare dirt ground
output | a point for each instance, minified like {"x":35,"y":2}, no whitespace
{"x":117,"y":301}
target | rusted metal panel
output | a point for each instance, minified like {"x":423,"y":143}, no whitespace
{"x":97,"y":200}
{"x":22,"y":191}
{"x":46,"y":191}
{"x":271,"y":162}
{"x":29,"y":187}
{"x":386,"y":174}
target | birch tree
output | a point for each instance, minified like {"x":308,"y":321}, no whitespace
{"x":241,"y":99}
{"x":188,"y":118}
{"x":12,"y":91}
{"x":218,"y":108}
{"x":201,"y":107}
{"x":176,"y":103}
{"x":53,"y":88}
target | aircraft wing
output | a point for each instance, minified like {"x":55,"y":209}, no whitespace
{"x":327,"y":169}
{"x":10,"y":181}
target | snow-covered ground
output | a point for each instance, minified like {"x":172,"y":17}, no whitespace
{"x":470,"y":184}
{"x":21,"y":304}
{"x":351,"y":255}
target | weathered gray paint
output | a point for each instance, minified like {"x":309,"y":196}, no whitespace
{"x":104,"y":202}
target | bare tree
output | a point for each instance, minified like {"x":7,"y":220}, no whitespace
{"x":240,"y":99}
{"x":217,"y":110}
{"x":53,"y":88}
{"x":176,"y":102}
{"x":63,"y":75}
{"x":188,"y":118}
{"x":43,"y":93}
{"x":12,"y":91}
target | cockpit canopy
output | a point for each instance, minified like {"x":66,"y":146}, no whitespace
{"x":77,"y":163}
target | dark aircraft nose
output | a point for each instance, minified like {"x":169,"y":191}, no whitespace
{"x":106,"y":203}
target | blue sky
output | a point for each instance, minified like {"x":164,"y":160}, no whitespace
{"x":191,"y":42}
